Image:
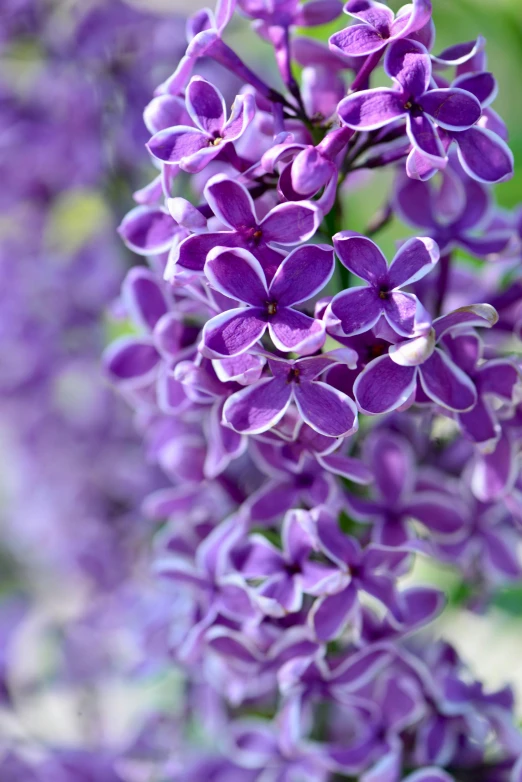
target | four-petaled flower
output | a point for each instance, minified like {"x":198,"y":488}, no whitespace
{"x":192,"y":148}
{"x":378,"y":26}
{"x":457,"y":214}
{"x":373,"y":570}
{"x":358,"y":309}
{"x":288,"y":573}
{"x":390,"y":381}
{"x":408,"y":64}
{"x":260,"y":406}
{"x":286,"y":224}
{"x":238,"y":274}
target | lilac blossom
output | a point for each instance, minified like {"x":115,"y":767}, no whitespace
{"x":377,"y":26}
{"x":286,"y":224}
{"x":424,"y":108}
{"x":319,"y":436}
{"x":236,"y":273}
{"x":358,"y":309}
{"x":465,"y":201}
{"x":390,"y":381}
{"x":192,"y":148}
{"x":260,"y":406}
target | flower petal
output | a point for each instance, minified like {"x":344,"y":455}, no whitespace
{"x":206,"y":105}
{"x":233,"y":332}
{"x":236,"y":273}
{"x":444,"y":517}
{"x":484,"y":155}
{"x":483,"y":315}
{"x":273,"y":499}
{"x":446,"y":384}
{"x":392,"y":462}
{"x":325,"y":409}
{"x":413,"y":261}
{"x":357,"y":40}
{"x":148,"y":230}
{"x":258,"y":407}
{"x":353,"y":311}
{"x":177,"y":145}
{"x":479,"y":424}
{"x":243,"y":112}
{"x":408,"y":63}
{"x":165,"y":111}
{"x":231,"y":202}
{"x":423,"y":135}
{"x":400,"y":310}
{"x":361,"y":256}
{"x":302,"y":274}
{"x":330,"y":615}
{"x":411,"y":18}
{"x":383,"y":386}
{"x":316,"y":12}
{"x":192,"y":252}
{"x":494,"y":473}
{"x":143,"y":297}
{"x":371,"y":109}
{"x":130,"y":359}
{"x":293,"y":331}
{"x":291,"y":223}
{"x":374,"y":14}
{"x":452,"y":109}
{"x":413,"y":202}
{"x":223,"y":444}
{"x":345,"y":466}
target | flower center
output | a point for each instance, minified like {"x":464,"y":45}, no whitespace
{"x":293,"y":375}
{"x":374,"y":351}
{"x":215,"y":142}
{"x":413,"y":108}
{"x":271,"y":307}
{"x":383,"y":294}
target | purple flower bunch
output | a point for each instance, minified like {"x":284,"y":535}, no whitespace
{"x":328,"y":417}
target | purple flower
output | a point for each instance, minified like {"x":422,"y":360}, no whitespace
{"x":192,"y":148}
{"x":236,"y":273}
{"x":482,"y":148}
{"x":457,"y":214}
{"x":358,"y":309}
{"x":392,"y":462}
{"x":286,"y":574}
{"x":285,"y":224}
{"x":408,"y":64}
{"x":260,"y":406}
{"x":391,"y":380}
{"x":494,"y":380}
{"x":378,"y":26}
{"x":372,"y":571}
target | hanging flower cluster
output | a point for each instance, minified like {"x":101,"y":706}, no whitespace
{"x":327,"y":415}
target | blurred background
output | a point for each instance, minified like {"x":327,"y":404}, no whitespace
{"x":78,"y":611}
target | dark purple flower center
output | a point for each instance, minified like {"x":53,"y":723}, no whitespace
{"x":383,"y":293}
{"x":252,"y":236}
{"x":376,"y":350}
{"x":271,"y":307}
{"x":293,"y":375}
{"x":414,"y":108}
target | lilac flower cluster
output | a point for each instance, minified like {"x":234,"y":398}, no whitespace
{"x":328,"y":417}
